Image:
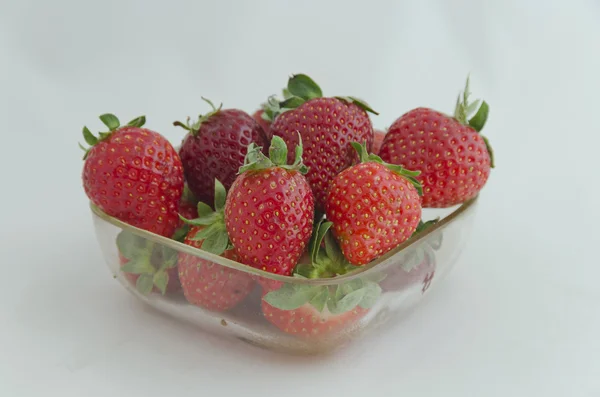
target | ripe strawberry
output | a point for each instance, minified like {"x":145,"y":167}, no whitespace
{"x":134,"y":174}
{"x":149,"y":266}
{"x":454,"y":159}
{"x":264,"y":123}
{"x":326,"y":126}
{"x":378,"y":138}
{"x":373,"y":206}
{"x":270,"y":209}
{"x":313,"y":311}
{"x":205,"y":283}
{"x":215,"y":148}
{"x":417,"y":266}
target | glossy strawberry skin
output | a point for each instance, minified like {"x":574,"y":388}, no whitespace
{"x":307,"y":322}
{"x":378,"y":138}
{"x":209,"y":285}
{"x":452,"y":157}
{"x":218,"y":151}
{"x":136,"y":176}
{"x":372,"y":209}
{"x":266,"y":125}
{"x":327,"y":126}
{"x":269,"y":217}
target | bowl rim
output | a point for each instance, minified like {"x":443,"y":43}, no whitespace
{"x":361,"y":271}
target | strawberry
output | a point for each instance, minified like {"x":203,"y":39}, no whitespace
{"x":454,"y":159}
{"x":205,"y":283}
{"x":417,"y":266}
{"x":264,"y":123}
{"x":187,"y":210}
{"x":326,"y":126}
{"x":270,"y":209}
{"x":215,"y":148}
{"x":378,"y":138}
{"x":134,"y":175}
{"x":373,"y":206}
{"x":313,"y":311}
{"x":149,"y":266}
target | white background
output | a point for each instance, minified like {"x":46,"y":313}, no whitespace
{"x":518,"y":316}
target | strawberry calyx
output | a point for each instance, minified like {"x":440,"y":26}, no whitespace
{"x":473,"y":114}
{"x":300,"y":89}
{"x":327,"y":261}
{"x":142,"y":257}
{"x":213,"y":232}
{"x":194,"y":128}
{"x":256,"y":160}
{"x":365,"y":156}
{"x":112,"y":123}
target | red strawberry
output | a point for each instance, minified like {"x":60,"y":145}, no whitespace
{"x":207,"y":284}
{"x":265,"y":124}
{"x":373,"y":206}
{"x":326,"y":126}
{"x":270,"y":209}
{"x":313,"y":311}
{"x":378,"y":138}
{"x":134,"y":174}
{"x":215,"y":148}
{"x":454,"y":159}
{"x":149,"y":266}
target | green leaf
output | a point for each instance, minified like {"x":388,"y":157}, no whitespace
{"x":130,"y":245}
{"x":291,"y":103}
{"x":372,"y":292}
{"x":477,"y":122}
{"x":302,"y":86}
{"x":89,"y":137}
{"x":205,"y":232}
{"x":288,"y":298}
{"x":320,"y":299}
{"x":137,"y":122}
{"x":217,"y":242}
{"x":139,"y":265}
{"x":204,"y":220}
{"x":361,"y":149}
{"x":319,"y":232}
{"x":333,"y":250}
{"x":358,"y":102}
{"x":111,"y":121}
{"x":472,"y":107}
{"x":490,"y":151}
{"x":349,"y":301}
{"x":169,"y":256}
{"x":278,"y":151}
{"x":204,"y":209}
{"x":144,"y":284}
{"x":161,"y":279}
{"x":181,"y":232}
{"x":286,"y":93}
{"x":220,"y":195}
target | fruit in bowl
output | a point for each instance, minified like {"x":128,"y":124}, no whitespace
{"x":305,"y":239}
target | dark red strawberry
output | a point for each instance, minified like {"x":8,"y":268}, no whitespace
{"x":134,"y":175}
{"x":326,"y":126}
{"x":264,"y":123}
{"x":215,"y":148}
{"x":378,"y":138}
{"x":314,"y":311}
{"x":147,"y":265}
{"x":205,"y":283}
{"x":374,"y":207}
{"x":454,"y":159}
{"x":270,"y":209}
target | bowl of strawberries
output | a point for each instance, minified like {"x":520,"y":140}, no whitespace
{"x":298,"y":228}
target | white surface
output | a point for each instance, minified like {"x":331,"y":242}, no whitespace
{"x":519,"y":315}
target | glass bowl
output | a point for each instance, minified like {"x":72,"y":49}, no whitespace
{"x":399,"y":279}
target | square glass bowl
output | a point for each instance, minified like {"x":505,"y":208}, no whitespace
{"x":402,"y":277}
